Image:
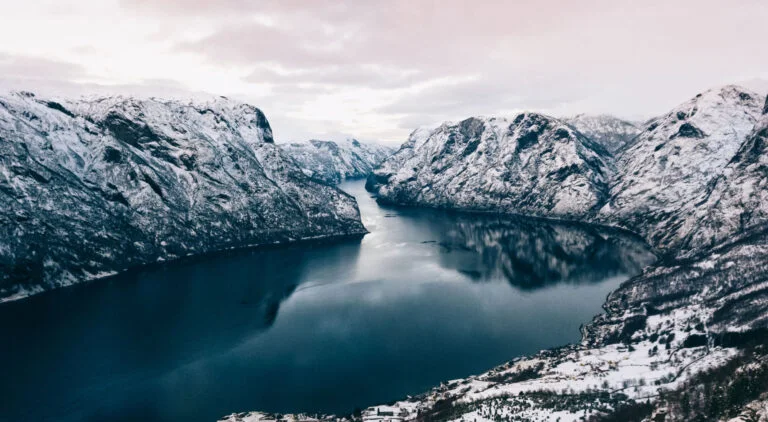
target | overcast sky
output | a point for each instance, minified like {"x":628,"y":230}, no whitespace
{"x":377,"y":69}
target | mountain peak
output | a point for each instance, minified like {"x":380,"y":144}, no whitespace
{"x":612,"y":133}
{"x":676,"y":157}
{"x":334,"y":161}
{"x":531,"y":164}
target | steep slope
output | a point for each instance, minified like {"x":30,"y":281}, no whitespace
{"x":610,"y":132}
{"x":676,"y":158}
{"x":333,"y":162}
{"x":533,"y":165}
{"x":88,"y":188}
{"x":738,"y":198}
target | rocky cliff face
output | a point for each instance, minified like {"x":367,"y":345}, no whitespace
{"x":88,"y":188}
{"x":610,"y":132}
{"x":332,"y":162}
{"x":675,"y":160}
{"x":737,"y":199}
{"x":724,"y":287}
{"x":532,"y":164}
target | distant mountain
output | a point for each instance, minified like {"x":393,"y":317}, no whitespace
{"x":335,"y":161}
{"x":610,"y":132}
{"x":92,"y":187}
{"x":533,"y":164}
{"x":679,"y":157}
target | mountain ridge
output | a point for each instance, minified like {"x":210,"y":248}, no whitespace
{"x":490,"y":154}
{"x":153,"y":179}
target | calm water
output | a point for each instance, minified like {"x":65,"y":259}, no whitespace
{"x":427,"y":296}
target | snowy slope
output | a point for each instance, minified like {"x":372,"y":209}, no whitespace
{"x":91,"y":187}
{"x":676,"y":158}
{"x":610,"y":132}
{"x":333,"y":162}
{"x":532,"y":164}
{"x":738,"y":198}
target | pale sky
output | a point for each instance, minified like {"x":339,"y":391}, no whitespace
{"x":375,"y":70}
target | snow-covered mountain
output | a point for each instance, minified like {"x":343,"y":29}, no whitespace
{"x":612,"y":133}
{"x":531,"y":164}
{"x":91,"y":187}
{"x":738,"y":198}
{"x":683,"y":168}
{"x":335,"y":161}
{"x":679,"y":157}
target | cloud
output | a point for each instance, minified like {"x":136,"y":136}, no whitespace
{"x":377,"y":68}
{"x":511,"y":47}
{"x":255,"y":43}
{"x":352,"y":75}
{"x":450,"y":36}
{"x":489,"y":94}
{"x":188,"y":8}
{"x":27,"y":67}
{"x":71,"y":88}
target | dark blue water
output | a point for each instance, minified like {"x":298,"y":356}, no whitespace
{"x":427,"y":296}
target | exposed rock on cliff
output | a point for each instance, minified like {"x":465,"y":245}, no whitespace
{"x":532,"y":164}
{"x":678,"y":158}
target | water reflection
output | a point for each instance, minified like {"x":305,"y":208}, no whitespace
{"x":107,"y":339}
{"x":312,"y":327}
{"x":532,"y":254}
{"x":526,"y":253}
